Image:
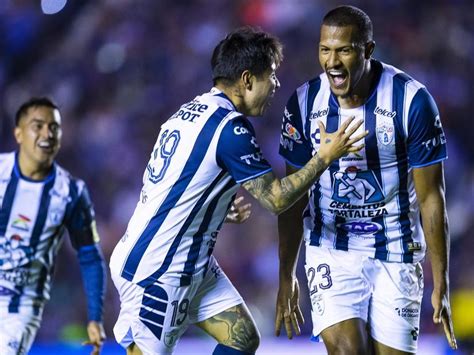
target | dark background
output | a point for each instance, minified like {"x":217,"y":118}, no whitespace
{"x":118,"y":69}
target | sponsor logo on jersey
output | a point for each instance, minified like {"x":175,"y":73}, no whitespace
{"x":352,"y":157}
{"x":384,"y":112}
{"x":318,"y":114}
{"x":407,"y":312}
{"x":253,"y":156}
{"x":287,"y":114}
{"x":356,"y":187}
{"x":360,"y":228}
{"x":22,"y":223}
{"x":434,"y":142}
{"x":18,"y":276}
{"x":414,"y":246}
{"x":238,"y":130}
{"x":292,"y":133}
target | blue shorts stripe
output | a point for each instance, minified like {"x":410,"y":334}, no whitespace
{"x":155,"y":329}
{"x":156,"y":291}
{"x":155,"y":304}
{"x":146,"y":314}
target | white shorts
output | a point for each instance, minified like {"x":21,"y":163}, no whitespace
{"x":344,"y":285}
{"x":18,"y":330}
{"x":155,"y":317}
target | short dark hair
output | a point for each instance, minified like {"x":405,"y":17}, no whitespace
{"x":33,"y":102}
{"x":245,"y":48}
{"x":347,"y":15}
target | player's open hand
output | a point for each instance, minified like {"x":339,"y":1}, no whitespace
{"x":442,"y":314}
{"x":238,"y":213}
{"x":337,"y":144}
{"x":288,"y":309}
{"x":96,"y":333}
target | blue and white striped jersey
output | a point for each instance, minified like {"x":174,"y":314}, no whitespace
{"x":33,"y":217}
{"x":365,"y":202}
{"x":202,"y":154}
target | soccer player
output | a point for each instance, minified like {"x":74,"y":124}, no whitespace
{"x":38,"y":200}
{"x":361,"y":220}
{"x":163,"y":266}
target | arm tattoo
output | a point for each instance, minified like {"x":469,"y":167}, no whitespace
{"x":277,"y":197}
{"x":260,"y":188}
{"x":240,"y":331}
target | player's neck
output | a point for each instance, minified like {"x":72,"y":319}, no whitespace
{"x":361,"y":92}
{"x":234,"y":95}
{"x":33,"y":170}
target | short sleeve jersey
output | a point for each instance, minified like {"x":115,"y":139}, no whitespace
{"x":365,"y":202}
{"x":203,"y":153}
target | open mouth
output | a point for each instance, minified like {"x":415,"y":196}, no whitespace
{"x":46,"y":146}
{"x":337,"y":77}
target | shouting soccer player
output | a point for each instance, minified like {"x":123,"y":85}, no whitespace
{"x":361,"y":220}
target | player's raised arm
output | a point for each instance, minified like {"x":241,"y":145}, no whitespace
{"x":277,"y":195}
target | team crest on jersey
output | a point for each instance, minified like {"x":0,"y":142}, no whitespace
{"x":356,"y":187}
{"x":317,"y":302}
{"x":385,"y":134}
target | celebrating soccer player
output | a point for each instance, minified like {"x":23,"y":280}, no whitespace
{"x":38,"y":200}
{"x":362,"y":219}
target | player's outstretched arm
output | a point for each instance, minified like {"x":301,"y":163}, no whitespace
{"x":429,"y":186}
{"x":277,"y":195}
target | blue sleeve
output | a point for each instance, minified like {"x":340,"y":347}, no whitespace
{"x":80,"y":218}
{"x":293,"y":145}
{"x":239,"y":153}
{"x":94,"y":279}
{"x":426,"y":140}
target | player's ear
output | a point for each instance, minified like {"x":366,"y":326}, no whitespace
{"x":246,"y":79}
{"x":369,"y":49}
{"x":18,"y":134}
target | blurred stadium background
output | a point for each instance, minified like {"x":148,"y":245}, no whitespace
{"x":119,"y":68}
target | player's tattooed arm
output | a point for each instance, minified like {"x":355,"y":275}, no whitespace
{"x":277,"y":195}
